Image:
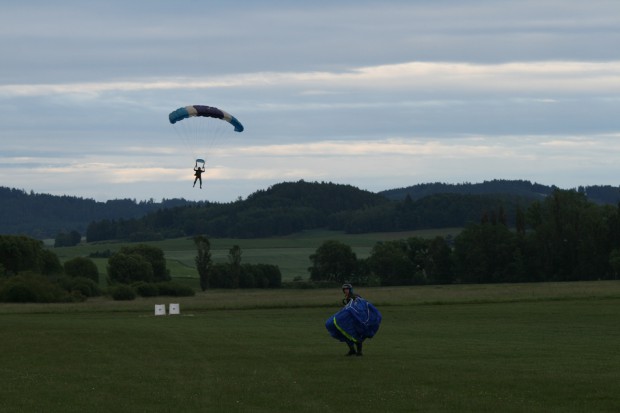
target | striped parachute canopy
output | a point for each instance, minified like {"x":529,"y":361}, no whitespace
{"x":205,"y":111}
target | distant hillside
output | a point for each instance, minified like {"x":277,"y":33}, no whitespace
{"x":44,"y":216}
{"x":598,"y":194}
{"x":282,"y":209}
{"x":291,"y":207}
{"x":278,"y":210}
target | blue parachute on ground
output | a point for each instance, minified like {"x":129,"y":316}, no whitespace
{"x":358,"y":320}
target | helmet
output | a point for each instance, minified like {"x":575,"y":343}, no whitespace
{"x":349,"y":286}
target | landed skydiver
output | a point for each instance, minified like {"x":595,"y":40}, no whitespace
{"x":355,"y":322}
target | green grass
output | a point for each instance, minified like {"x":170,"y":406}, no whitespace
{"x":511,"y":348}
{"x":290,"y":253}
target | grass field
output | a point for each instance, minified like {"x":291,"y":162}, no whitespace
{"x":476,"y":348}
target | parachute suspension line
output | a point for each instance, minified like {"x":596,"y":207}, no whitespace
{"x":214,"y":130}
{"x":196,"y":136}
{"x":201,"y":128}
{"x":200,"y":135}
{"x":183,"y":137}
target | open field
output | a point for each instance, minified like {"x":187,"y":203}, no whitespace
{"x":476,"y":348}
{"x":290,"y":253}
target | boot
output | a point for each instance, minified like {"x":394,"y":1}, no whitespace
{"x":359,"y":348}
{"x":351,"y":349}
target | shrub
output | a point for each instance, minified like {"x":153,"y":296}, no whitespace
{"x":82,"y":267}
{"x":247,"y":277}
{"x":173,"y":289}
{"x":266,"y":275}
{"x":122,"y":292}
{"x":300,"y":284}
{"x":50,"y":264}
{"x":19,"y":293}
{"x":84,"y":285}
{"x":31,"y":288}
{"x":154,"y":256}
{"x":144,"y":289}
{"x":219,"y":276}
{"x":127,"y":268}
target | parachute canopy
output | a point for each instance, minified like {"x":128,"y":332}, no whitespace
{"x":204,"y":111}
{"x":358,"y":320}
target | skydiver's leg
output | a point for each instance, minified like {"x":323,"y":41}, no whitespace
{"x":351,"y":348}
{"x":200,"y":183}
{"x":359,"y":348}
{"x":195,"y":179}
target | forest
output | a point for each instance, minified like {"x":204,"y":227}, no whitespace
{"x":281,"y":209}
{"x":563,"y":237}
{"x":291,"y":207}
{"x":44,"y":216}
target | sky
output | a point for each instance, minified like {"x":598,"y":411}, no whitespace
{"x":375,"y":94}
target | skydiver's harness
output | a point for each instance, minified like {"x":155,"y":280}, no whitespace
{"x":349,"y":297}
{"x":199,"y":169}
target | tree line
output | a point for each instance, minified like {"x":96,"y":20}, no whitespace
{"x":29,"y":272}
{"x":281,"y":209}
{"x":233,"y":274}
{"x":45,"y":216}
{"x":564,"y":237}
{"x":599,"y":194}
{"x":561,"y":238}
{"x":287,"y":208}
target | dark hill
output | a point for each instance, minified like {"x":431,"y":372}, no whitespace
{"x":281,"y":209}
{"x":600,"y":194}
{"x":44,"y":216}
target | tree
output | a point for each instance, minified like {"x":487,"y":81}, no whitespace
{"x":570,"y":237}
{"x":67,"y":240}
{"x":484,"y":253}
{"x":333,"y":261}
{"x":391,"y":262}
{"x":102,"y":230}
{"x":82,"y":267}
{"x":19,"y":253}
{"x":128,"y":268}
{"x":154,"y":256}
{"x":614,"y":261}
{"x":50,"y":264}
{"x":520,"y":221}
{"x":438,"y":264}
{"x":234,"y":259}
{"x":203,"y":260}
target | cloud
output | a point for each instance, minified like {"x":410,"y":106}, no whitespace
{"x":375,"y":94}
{"x":546,"y":76}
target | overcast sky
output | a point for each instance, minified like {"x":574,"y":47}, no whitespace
{"x":375,"y":94}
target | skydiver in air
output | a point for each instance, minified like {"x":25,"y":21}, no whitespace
{"x":198,"y":174}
